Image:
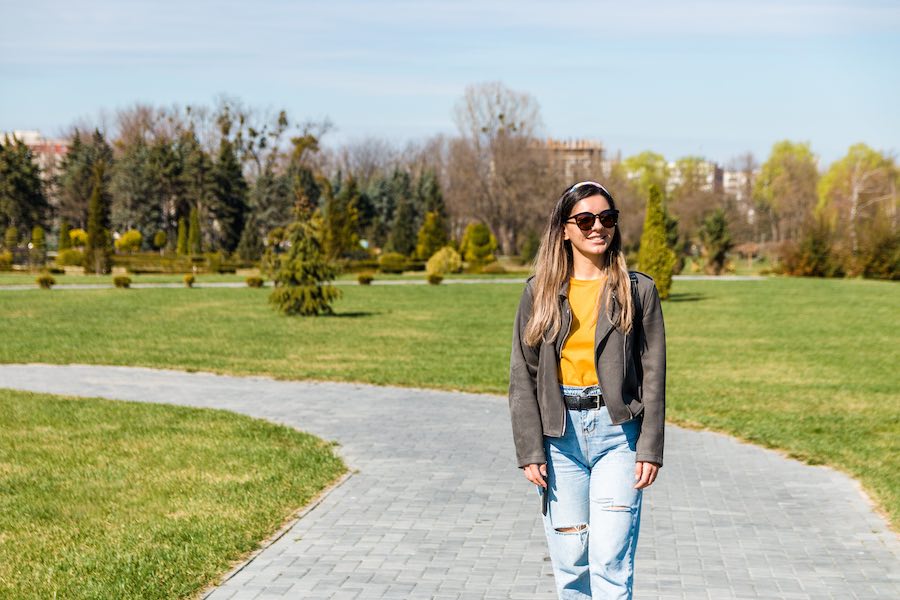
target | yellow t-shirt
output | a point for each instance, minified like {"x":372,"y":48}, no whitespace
{"x":577,"y":365}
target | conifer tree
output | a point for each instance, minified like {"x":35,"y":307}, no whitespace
{"x":403,"y":234}
{"x":340,"y":219}
{"x":98,"y":251}
{"x":478,"y":244}
{"x":716,"y":241}
{"x":230,"y":205}
{"x":65,"y":241}
{"x":181,"y":246}
{"x":301,"y":273}
{"x":38,"y":253}
{"x":251,"y":245}
{"x":195,"y":245}
{"x":22,"y":199}
{"x":655,"y":257}
{"x":432,"y":236}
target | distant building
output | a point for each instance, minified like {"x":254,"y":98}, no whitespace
{"x":711,"y":176}
{"x":577,"y":157}
{"x":47,"y":153}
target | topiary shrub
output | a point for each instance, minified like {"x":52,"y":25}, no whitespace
{"x":435,"y":278}
{"x":365,"y":278}
{"x":392,"y":262}
{"x":446,"y":260}
{"x":494,"y":268}
{"x":254,"y":282}
{"x":130,"y":241}
{"x":70,"y":258}
{"x":45,"y":281}
{"x":6,"y":260}
{"x":189,"y":280}
{"x":122,"y":281}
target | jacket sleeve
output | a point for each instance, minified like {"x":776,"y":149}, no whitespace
{"x":523,"y":405}
{"x":653,"y":363}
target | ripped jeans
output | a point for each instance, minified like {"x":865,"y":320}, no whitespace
{"x":594,"y":512}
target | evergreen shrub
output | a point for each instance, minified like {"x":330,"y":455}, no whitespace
{"x":45,"y":281}
{"x":365,"y":278}
{"x":446,"y":260}
{"x":254,"y":281}
{"x":435,"y":278}
{"x":6,"y":260}
{"x":122,"y":281}
{"x":70,"y":258}
{"x":189,"y":280}
{"x":392,"y":262}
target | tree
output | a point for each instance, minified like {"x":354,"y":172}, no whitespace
{"x":65,"y":242}
{"x":301,"y":273}
{"x":137,"y":195}
{"x":230,"y":205}
{"x":716,"y":241}
{"x":499,"y":172}
{"x":648,"y":169}
{"x":402,"y":238}
{"x":181,"y":245}
{"x":11,"y":237}
{"x":98,"y":251}
{"x":130,"y":241}
{"x":478,"y":244}
{"x":38,"y":252}
{"x":196,"y":179}
{"x":856,"y":191}
{"x":655,"y":257}
{"x":22,"y":199}
{"x":75,"y":182}
{"x":339,"y":220}
{"x":195,"y":244}
{"x":251,"y":245}
{"x":785,"y":190}
{"x":159,"y":241}
{"x":432,"y":236}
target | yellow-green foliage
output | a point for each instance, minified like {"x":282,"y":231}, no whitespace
{"x":446,"y":260}
{"x":130,"y":241}
{"x":79,"y":237}
{"x":6,"y":260}
{"x":478,"y":244}
{"x":655,"y":258}
{"x":392,"y":262}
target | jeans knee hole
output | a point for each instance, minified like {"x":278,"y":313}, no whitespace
{"x":576,"y":529}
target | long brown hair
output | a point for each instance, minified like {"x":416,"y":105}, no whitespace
{"x":553,"y":266}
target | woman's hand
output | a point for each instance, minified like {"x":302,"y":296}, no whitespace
{"x":535,"y":474}
{"x":645,"y":473}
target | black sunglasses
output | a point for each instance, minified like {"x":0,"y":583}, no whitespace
{"x":609,"y":218}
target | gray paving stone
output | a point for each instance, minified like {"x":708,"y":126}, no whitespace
{"x":437,"y":508}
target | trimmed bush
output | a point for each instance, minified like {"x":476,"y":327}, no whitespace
{"x":254,"y":282}
{"x":189,"y":280}
{"x":45,"y":281}
{"x":79,"y":237}
{"x":392,"y":262}
{"x":446,"y":260}
{"x":434,"y":278}
{"x":122,"y":281}
{"x":6,"y":260}
{"x":70,"y":258}
{"x":365,"y":278}
{"x":130,"y":241}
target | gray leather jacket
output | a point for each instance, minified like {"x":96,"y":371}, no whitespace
{"x":631,"y":370}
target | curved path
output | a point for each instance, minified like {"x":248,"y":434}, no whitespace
{"x":438,"y":509}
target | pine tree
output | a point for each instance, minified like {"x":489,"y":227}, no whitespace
{"x":716,"y":241}
{"x":478,"y":244}
{"x":196,"y":178}
{"x":340,"y":218}
{"x":301,"y":273}
{"x":655,"y":257}
{"x":230,"y":206}
{"x":98,"y":252}
{"x":75,"y":182}
{"x":251,"y":245}
{"x":403,"y":234}
{"x":22,"y":199}
{"x":65,"y":241}
{"x":432,"y":236}
{"x":194,"y":242}
{"x":181,"y":246}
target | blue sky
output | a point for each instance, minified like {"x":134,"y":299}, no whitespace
{"x":713,"y":78}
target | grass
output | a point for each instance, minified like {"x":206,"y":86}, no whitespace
{"x":803,"y":365}
{"x":109,"y":499}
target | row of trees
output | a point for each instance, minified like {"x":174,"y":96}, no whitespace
{"x":236,"y":174}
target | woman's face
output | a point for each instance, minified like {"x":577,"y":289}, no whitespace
{"x":599,"y":238}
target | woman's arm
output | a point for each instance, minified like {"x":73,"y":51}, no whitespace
{"x":653,"y":363}
{"x":523,"y":405}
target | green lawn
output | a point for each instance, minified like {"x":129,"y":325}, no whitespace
{"x":108,"y":499}
{"x":805,"y":365}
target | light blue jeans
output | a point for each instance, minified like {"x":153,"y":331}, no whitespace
{"x":594,"y":512}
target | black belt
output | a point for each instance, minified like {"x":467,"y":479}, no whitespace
{"x":589,"y":402}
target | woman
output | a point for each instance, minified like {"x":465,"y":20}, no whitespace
{"x":587,"y":393}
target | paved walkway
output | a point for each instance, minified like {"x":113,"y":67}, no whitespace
{"x":438,"y":509}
